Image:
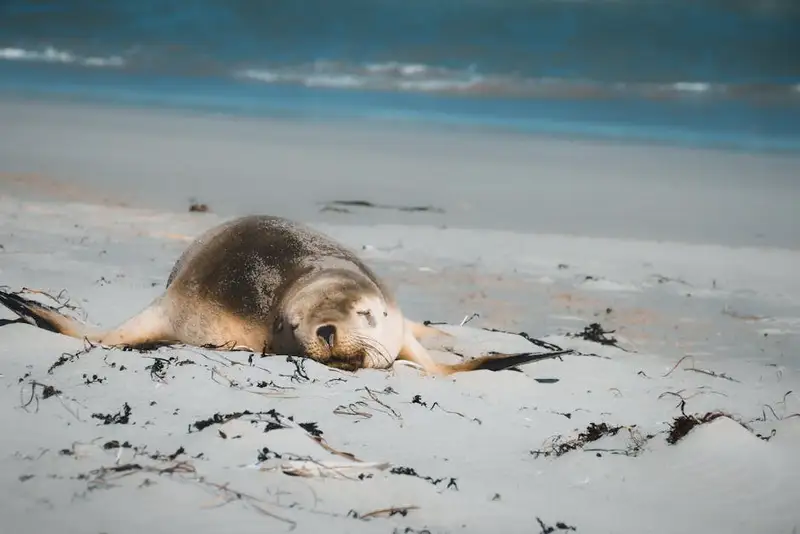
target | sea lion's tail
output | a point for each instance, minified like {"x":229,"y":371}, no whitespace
{"x":147,"y":328}
{"x":497,"y":362}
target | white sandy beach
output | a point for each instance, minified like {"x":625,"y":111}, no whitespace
{"x":530,"y":239}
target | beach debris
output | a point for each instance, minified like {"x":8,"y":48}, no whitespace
{"x":683,"y":424}
{"x":102,"y":477}
{"x":410,"y":471}
{"x":730,"y":312}
{"x":94,"y":379}
{"x":266,"y":454}
{"x":417,"y":399}
{"x":387,"y":512}
{"x":371,"y":402}
{"x":595,"y":333}
{"x":594,"y":432}
{"x":547,"y":380}
{"x":47,"y":391}
{"x":299,"y":375}
{"x":218,"y":419}
{"x":158,"y":369}
{"x":122,"y":417}
{"x":698,"y":370}
{"x":68,"y":357}
{"x":468,"y":318}
{"x":538,"y":342}
{"x":356,"y":409}
{"x":661,"y":279}
{"x":198,"y":207}
{"x":343,"y":206}
{"x":339,"y":470}
{"x":397,"y":246}
{"x":546,"y":529}
{"x":114,"y":444}
{"x":274,"y":421}
{"x":409,"y":530}
{"x":772,"y":410}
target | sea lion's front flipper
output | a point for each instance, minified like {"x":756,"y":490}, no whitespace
{"x":150,"y":327}
{"x":412,"y":351}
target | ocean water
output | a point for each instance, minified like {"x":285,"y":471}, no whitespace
{"x":696,"y":72}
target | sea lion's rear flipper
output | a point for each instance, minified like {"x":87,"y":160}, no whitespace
{"x":494,"y":362}
{"x":414,"y":352}
{"x":149,"y":327}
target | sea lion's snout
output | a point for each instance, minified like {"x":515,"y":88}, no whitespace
{"x":327,"y":333}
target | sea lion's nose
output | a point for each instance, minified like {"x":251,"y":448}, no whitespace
{"x":327,"y":333}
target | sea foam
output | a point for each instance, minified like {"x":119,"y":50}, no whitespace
{"x":50,"y":54}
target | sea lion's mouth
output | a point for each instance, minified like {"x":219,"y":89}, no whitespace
{"x":343,"y":365}
{"x":348,"y":362}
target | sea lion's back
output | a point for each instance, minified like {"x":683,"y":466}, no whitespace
{"x":245,"y":264}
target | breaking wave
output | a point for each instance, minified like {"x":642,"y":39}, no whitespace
{"x":50,"y":54}
{"x":420,"y":78}
{"x":398,"y":76}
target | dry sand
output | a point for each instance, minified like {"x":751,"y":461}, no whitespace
{"x":498,"y":181}
{"x":108,"y":441}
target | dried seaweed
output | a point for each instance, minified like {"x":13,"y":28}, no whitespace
{"x":341,"y":206}
{"x":387,"y":512}
{"x":100,"y":477}
{"x":122,"y":417}
{"x":299,"y":375}
{"x":683,"y":424}
{"x":198,"y":207}
{"x":595,"y":333}
{"x":417,"y":399}
{"x":218,"y":419}
{"x":47,"y":391}
{"x":546,"y":529}
{"x":69,"y":357}
{"x":114,"y":444}
{"x":554,"y":351}
{"x":351,"y":409}
{"x":94,"y":379}
{"x":592,"y":433}
{"x":698,"y":370}
{"x":538,"y":342}
{"x":410,"y":471}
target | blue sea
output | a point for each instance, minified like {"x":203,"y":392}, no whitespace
{"x":691,"y":72}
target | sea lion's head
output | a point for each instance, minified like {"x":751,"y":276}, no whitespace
{"x":340,"y":318}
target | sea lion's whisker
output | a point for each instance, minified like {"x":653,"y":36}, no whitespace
{"x":377,"y":346}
